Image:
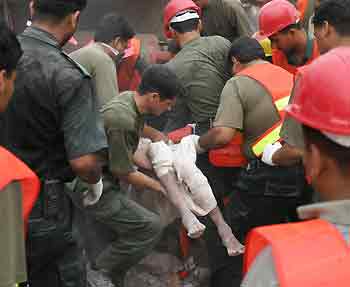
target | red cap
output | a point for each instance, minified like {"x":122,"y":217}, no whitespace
{"x":321,"y":95}
{"x":275,"y":16}
{"x":175,"y":7}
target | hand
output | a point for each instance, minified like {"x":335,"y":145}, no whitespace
{"x":93,"y":195}
{"x":269,"y":151}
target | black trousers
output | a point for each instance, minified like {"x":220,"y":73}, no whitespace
{"x":53,"y":256}
{"x":225,"y":270}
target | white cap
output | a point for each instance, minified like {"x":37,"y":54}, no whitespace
{"x":339,"y":139}
{"x":184,"y":16}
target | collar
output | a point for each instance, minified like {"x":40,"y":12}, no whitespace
{"x":336,"y":212}
{"x":191,"y":42}
{"x":41,"y":35}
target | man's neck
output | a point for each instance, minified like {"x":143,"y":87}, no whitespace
{"x":188,"y":37}
{"x":54,"y":30}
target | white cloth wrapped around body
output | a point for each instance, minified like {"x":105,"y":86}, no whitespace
{"x":181,"y":158}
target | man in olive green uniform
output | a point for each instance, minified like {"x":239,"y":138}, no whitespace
{"x":12,"y":259}
{"x":52,"y":124}
{"x":202,"y":67}
{"x":226,"y":18}
{"x":100,"y":58}
{"x":137,"y":229}
{"x":267,"y":193}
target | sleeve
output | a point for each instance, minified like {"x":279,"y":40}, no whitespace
{"x":239,"y":19}
{"x":106,"y":80}
{"x":291,"y":131}
{"x":81,"y":122}
{"x":262,"y":273}
{"x":230,"y":112}
{"x":120,"y":153}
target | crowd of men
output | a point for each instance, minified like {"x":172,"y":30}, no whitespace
{"x":266,"y":113}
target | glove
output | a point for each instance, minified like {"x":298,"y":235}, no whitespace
{"x":195,"y":140}
{"x":269,"y":151}
{"x":93,"y":195}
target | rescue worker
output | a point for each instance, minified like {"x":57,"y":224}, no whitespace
{"x":314,"y":252}
{"x":331,"y":22}
{"x":54,"y":127}
{"x":252,"y":102}
{"x":202,"y":68}
{"x":226,"y":18}
{"x":138,"y":230}
{"x":279,"y":20}
{"x":99,"y":58}
{"x":17,"y":181}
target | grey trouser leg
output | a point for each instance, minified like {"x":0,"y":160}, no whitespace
{"x":137,"y":229}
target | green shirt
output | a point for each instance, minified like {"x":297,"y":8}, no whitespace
{"x":123,"y":125}
{"x":246,"y":105}
{"x":102,"y":70}
{"x":12,"y":249}
{"x":202,"y":67}
{"x":226,"y":18}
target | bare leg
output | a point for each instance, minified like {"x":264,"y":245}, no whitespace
{"x":234,"y":247}
{"x":175,"y":193}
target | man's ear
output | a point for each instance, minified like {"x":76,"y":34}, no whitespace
{"x":200,"y":26}
{"x":314,"y":162}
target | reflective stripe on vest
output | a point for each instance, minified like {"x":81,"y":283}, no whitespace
{"x":128,"y":77}
{"x":279,"y":84}
{"x":12,"y":169}
{"x":306,"y":254}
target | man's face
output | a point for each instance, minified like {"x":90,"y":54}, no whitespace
{"x":158,"y":106}
{"x":283,"y":42}
{"x":6,"y":88}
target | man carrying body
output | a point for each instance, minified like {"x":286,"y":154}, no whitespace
{"x":201,"y":66}
{"x":53,"y":126}
{"x":137,"y":229}
{"x":252,"y":102}
{"x":314,"y":252}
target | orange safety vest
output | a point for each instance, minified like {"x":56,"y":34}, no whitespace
{"x":280,"y":59}
{"x":128,"y":76}
{"x":306,"y":9}
{"x":12,"y":169}
{"x":306,"y":254}
{"x":279,"y":84}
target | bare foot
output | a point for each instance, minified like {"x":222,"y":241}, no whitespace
{"x":194,"y":228}
{"x":234,"y":247}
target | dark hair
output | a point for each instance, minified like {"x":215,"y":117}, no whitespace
{"x":246,"y":49}
{"x":57,"y":9}
{"x":297,"y":26}
{"x":185,"y":26}
{"x":113,"y":26}
{"x":10,"y":49}
{"x":336,"y":13}
{"x":339,"y":153}
{"x":160,"y":79}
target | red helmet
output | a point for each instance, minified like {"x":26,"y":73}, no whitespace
{"x":174,"y":7}
{"x":275,"y":16}
{"x":321,"y":95}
